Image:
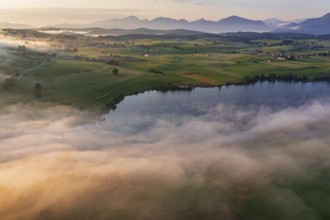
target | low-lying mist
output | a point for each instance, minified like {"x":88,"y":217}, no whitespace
{"x":57,"y":162}
{"x":29,"y":43}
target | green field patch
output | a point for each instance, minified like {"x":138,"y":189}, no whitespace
{"x":201,"y":79}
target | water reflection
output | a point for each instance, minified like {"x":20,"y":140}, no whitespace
{"x":273,"y":95}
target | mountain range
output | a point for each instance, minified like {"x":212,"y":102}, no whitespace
{"x":117,"y":31}
{"x":316,"y":26}
{"x":230,"y":24}
{"x":15,"y":26}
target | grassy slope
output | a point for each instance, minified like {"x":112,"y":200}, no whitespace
{"x":91,"y":85}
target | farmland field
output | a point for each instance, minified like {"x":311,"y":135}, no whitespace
{"x":79,"y":71}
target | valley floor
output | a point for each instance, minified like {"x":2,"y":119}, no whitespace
{"x":81,"y":72}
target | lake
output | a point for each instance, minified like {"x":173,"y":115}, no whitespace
{"x":273,"y":95}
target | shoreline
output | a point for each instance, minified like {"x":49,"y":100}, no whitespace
{"x":112,"y":106}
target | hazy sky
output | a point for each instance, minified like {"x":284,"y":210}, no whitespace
{"x":50,"y":11}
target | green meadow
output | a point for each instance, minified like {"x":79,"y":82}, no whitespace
{"x":83,"y":78}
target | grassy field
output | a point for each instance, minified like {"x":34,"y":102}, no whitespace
{"x":84,"y":79}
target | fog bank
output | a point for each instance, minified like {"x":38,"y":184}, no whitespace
{"x":57,"y":162}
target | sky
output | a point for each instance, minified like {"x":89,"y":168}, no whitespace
{"x":42,"y":12}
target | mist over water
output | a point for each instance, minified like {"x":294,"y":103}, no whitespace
{"x":261,"y":151}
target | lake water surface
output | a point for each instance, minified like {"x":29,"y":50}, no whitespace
{"x":273,"y":95}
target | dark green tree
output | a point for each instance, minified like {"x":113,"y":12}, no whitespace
{"x":115,"y":71}
{"x":8,"y":83}
{"x":37,"y":91}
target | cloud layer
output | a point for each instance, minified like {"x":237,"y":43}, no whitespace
{"x":60,"y":163}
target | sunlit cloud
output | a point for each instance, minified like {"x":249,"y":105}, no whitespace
{"x":57,"y":155}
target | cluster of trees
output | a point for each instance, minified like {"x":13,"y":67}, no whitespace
{"x":178,"y":48}
{"x":21,"y":48}
{"x":9,"y":83}
{"x":282,"y":43}
{"x":275,"y":77}
{"x":321,"y":78}
{"x":152,"y":70}
{"x":115,"y":71}
{"x":286,"y":78}
{"x":113,"y":63}
{"x":37,"y":91}
{"x":112,"y":106}
{"x":164,"y":88}
{"x":73,"y":50}
{"x":324,"y":54}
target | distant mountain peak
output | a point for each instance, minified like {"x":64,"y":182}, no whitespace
{"x":327,"y":15}
{"x":274,"y":20}
{"x":315,"y":26}
{"x":15,"y":25}
{"x":324,"y":20}
{"x":131,"y":18}
{"x":163,"y":19}
{"x":236,"y":18}
{"x":240,"y":20}
{"x":233,"y":17}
